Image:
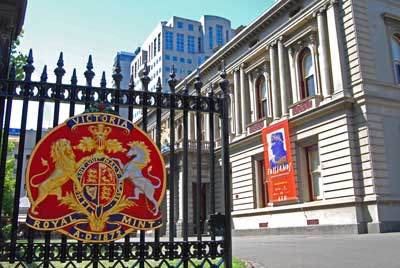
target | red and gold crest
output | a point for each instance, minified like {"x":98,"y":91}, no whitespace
{"x":95,"y":178}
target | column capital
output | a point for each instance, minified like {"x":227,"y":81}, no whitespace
{"x":333,"y":3}
{"x":291,"y":51}
{"x":321,"y":11}
{"x":243,"y":65}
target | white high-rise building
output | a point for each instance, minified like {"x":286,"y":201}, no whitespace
{"x":181,"y":42}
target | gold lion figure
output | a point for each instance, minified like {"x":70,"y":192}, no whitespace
{"x":65,"y":169}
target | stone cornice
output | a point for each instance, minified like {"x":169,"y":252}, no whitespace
{"x":391,"y":17}
{"x":226,"y":51}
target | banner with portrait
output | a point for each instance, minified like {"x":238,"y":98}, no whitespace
{"x":278,"y":163}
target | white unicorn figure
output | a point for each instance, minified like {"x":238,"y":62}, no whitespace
{"x":133,"y":171}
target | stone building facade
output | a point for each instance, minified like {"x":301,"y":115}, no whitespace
{"x":332,"y":69}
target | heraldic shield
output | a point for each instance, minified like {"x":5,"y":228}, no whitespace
{"x":95,"y":178}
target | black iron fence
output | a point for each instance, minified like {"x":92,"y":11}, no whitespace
{"x":49,"y":249}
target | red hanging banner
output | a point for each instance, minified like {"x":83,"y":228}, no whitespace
{"x":278,"y":163}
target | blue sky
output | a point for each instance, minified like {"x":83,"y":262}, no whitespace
{"x":103,"y":27}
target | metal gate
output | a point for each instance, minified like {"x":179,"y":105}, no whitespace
{"x":48,"y":249}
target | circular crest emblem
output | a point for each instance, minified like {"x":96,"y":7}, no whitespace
{"x":95,"y":178}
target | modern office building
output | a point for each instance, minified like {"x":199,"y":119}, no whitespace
{"x":329,"y":70}
{"x":181,"y":42}
{"x":125,"y":60}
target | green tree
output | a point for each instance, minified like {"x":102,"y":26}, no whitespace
{"x":9,"y":181}
{"x":18,"y":59}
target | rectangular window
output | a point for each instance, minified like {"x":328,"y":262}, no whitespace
{"x":175,"y":58}
{"x":261,"y":195}
{"x":262,"y":99}
{"x":155,"y":47}
{"x":167,"y":69}
{"x":180,"y":42}
{"x":210,"y":38}
{"x":167,"y":57}
{"x":182,"y":60}
{"x":219,"y":38}
{"x":226,"y":36}
{"x":190,"y":27}
{"x":314,"y":173}
{"x":200,"y":44}
{"x":149,"y":54}
{"x":189,"y":61}
{"x":169,"y":40}
{"x":180,"y":25}
{"x":159,"y":42}
{"x":397,"y":67}
{"x":190,"y":43}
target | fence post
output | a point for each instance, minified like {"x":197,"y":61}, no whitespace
{"x":224,"y":84}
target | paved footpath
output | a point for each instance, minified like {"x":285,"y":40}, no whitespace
{"x":330,"y":251}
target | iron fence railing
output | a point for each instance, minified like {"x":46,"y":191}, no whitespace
{"x":143,"y":251}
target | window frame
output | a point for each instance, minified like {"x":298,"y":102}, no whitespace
{"x":303,"y":77}
{"x":259,"y":100}
{"x":169,"y":40}
{"x":180,"y":42}
{"x":261,"y":197}
{"x":395,"y":37}
{"x":191,"y":44}
{"x":310,"y":181}
{"x":219,"y":39}
{"x":210,"y":38}
{"x":179,"y":24}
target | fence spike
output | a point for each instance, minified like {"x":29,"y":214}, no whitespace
{"x":211,"y":90}
{"x":185,"y":87}
{"x":117,"y":76}
{"x":224,"y":83}
{"x":74,"y":79}
{"x":13,"y":72}
{"x":131,"y":83}
{"x":28,"y":67}
{"x":43,"y":76}
{"x":145,"y":78}
{"x":172,"y":80}
{"x":89,"y":74}
{"x":59,"y":71}
{"x":30,"y":57}
{"x":198,"y":84}
{"x":158,"y":85}
{"x":103,"y":82}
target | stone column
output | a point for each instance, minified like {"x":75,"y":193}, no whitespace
{"x":179,"y":225}
{"x":293,"y":75}
{"x":274,"y":81}
{"x":324,"y":58}
{"x":252,"y":98}
{"x":191,"y":127}
{"x":238,"y":121}
{"x":336,"y":47}
{"x":217,"y":131}
{"x":231,"y":112}
{"x":283,"y":77}
{"x":206,"y":121}
{"x":244,"y":102}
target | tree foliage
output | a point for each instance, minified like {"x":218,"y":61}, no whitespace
{"x":18,"y":59}
{"x":9,"y":181}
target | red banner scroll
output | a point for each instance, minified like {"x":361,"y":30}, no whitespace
{"x":278,"y":163}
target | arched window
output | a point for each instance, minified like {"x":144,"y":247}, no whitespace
{"x":396,"y":56}
{"x":307,"y":74}
{"x":262,"y":98}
